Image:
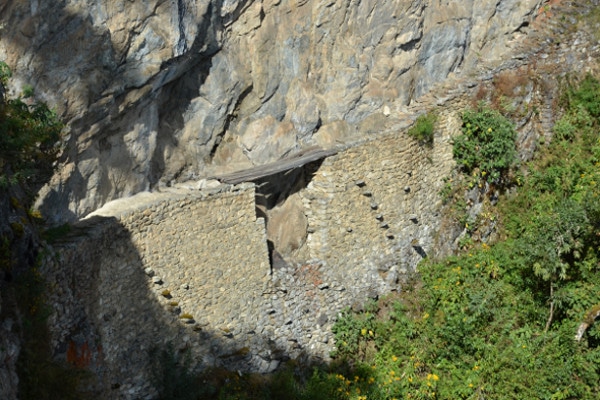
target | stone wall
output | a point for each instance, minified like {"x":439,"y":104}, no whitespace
{"x":190,"y":268}
{"x":184,"y":268}
{"x":374,"y":208}
{"x":208,"y":253}
{"x":372,"y":212}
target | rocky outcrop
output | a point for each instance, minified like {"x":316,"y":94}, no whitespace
{"x":161,"y":91}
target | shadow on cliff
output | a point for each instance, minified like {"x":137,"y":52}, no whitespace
{"x":102,"y":89}
{"x":113,"y":318}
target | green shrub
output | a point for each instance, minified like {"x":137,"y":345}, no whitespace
{"x":353,"y":332}
{"x":423,"y":129}
{"x":487,"y":144}
{"x":475,"y":329}
{"x":585,"y":94}
{"x":28,"y":135}
{"x":5,"y":73}
{"x":28,"y":91}
{"x":564,"y":129}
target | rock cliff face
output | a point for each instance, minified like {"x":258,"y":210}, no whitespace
{"x":161,"y":91}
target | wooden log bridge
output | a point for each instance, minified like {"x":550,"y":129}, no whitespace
{"x":285,"y":164}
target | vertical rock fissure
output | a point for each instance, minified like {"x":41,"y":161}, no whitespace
{"x":182,"y":42}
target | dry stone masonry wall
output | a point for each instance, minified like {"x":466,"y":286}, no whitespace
{"x":376,"y":206}
{"x":204,"y":256}
{"x":190,"y":267}
{"x":185,"y":269}
{"x":125,"y":278}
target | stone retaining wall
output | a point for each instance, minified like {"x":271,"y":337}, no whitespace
{"x":186,"y":270}
{"x":190,"y":268}
{"x":205,"y":254}
{"x":375,"y":207}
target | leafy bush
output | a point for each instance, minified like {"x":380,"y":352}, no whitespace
{"x":5,"y":74}
{"x":353,"y":331}
{"x":585,"y":94}
{"x":28,"y":134}
{"x":564,"y":129}
{"x":487,"y":144}
{"x":476,"y":329}
{"x":423,"y":128}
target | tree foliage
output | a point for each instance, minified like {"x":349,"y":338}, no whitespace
{"x":28,"y":136}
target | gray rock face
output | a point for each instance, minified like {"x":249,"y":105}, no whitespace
{"x":161,"y":91}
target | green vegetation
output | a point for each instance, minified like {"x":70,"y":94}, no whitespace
{"x":500,"y":321}
{"x":423,"y":129}
{"x":53,"y":234}
{"x":28,"y":133}
{"x":28,"y":137}
{"x":586,"y":95}
{"x":487,"y":144}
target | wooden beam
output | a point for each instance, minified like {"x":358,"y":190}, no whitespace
{"x":285,"y":164}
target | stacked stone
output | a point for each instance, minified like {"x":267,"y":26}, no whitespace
{"x":191,"y":268}
{"x":369,"y":206}
{"x":376,"y":200}
{"x":184,"y":268}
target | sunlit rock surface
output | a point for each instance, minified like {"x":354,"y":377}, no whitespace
{"x":158,"y":91}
